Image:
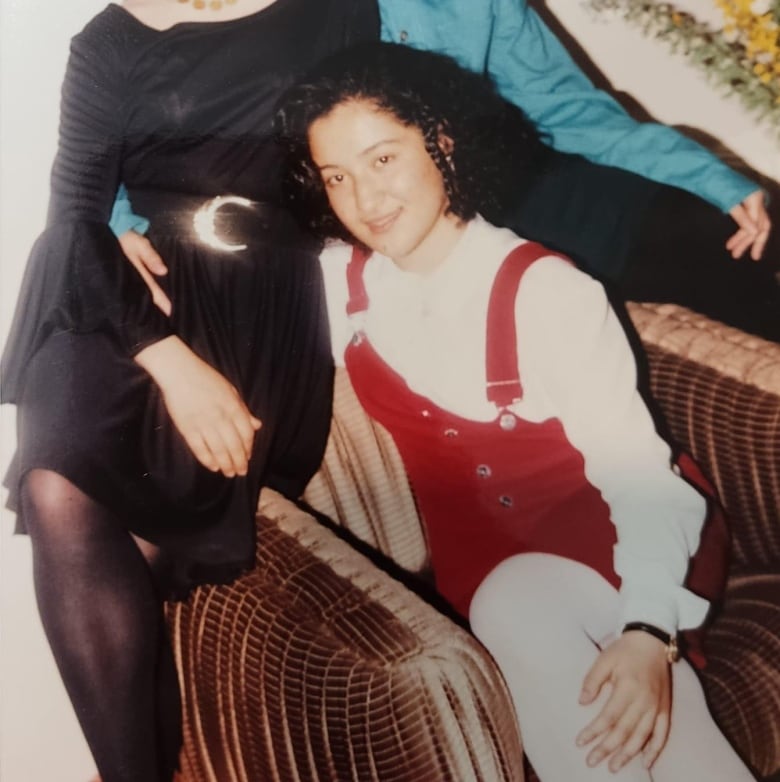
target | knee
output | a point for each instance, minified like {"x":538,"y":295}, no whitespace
{"x":45,"y":499}
{"x":45,"y":490}
{"x":535,"y":603}
{"x":512,"y":604}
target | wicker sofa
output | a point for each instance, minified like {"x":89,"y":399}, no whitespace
{"x":332,"y":660}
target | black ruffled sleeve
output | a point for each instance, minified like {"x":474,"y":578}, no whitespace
{"x":86,"y":169}
{"x":77,"y":277}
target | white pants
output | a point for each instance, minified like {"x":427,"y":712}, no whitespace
{"x":544,"y":620}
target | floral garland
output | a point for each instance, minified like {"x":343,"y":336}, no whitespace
{"x":743,"y":57}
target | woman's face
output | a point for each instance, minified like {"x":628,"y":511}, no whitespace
{"x":383,"y":185}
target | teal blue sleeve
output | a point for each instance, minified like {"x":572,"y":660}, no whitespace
{"x":122,"y":217}
{"x":533,"y":70}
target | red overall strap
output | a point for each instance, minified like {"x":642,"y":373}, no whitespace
{"x":503,"y":376}
{"x":358,"y":298}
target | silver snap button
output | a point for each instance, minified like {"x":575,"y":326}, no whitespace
{"x":426,"y":413}
{"x":507,"y":422}
{"x":357,"y":338}
{"x":403,"y":37}
{"x":450,"y":432}
{"x":484,"y":471}
{"x":506,"y":500}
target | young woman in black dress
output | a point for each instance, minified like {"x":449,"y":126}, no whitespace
{"x":144,"y":436}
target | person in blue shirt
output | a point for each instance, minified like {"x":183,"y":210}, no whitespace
{"x":637,"y":204}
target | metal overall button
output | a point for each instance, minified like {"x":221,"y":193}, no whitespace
{"x":506,"y":500}
{"x":484,"y":471}
{"x":507,"y":421}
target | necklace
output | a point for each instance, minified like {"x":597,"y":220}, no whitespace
{"x":214,"y":5}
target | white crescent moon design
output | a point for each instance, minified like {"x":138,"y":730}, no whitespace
{"x":203,"y":222}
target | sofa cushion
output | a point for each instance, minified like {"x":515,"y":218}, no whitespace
{"x":719,"y":393}
{"x":316,"y":665}
{"x":741,"y":678}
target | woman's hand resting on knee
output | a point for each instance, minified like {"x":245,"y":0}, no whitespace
{"x":636,"y":716}
{"x":204,"y":406}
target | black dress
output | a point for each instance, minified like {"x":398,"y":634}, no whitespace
{"x":180,"y":116}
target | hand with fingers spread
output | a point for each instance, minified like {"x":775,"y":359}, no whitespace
{"x":205,"y":407}
{"x":635,"y":717}
{"x":754,"y":226}
{"x":148,"y":263}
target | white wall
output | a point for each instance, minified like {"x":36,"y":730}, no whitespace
{"x":665,"y":84}
{"x":39,"y":740}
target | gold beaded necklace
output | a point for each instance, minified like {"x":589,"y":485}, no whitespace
{"x":214,"y":5}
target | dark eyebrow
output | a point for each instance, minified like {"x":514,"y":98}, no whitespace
{"x":363,"y":153}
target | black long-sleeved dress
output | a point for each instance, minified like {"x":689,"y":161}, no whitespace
{"x":179,"y":115}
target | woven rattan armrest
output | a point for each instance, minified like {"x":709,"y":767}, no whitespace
{"x":719,"y":392}
{"x":318,"y":666}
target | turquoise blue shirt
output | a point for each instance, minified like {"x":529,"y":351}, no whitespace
{"x":507,"y":40}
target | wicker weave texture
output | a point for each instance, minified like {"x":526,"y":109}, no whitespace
{"x":317,"y":666}
{"x":742,"y":676}
{"x":720,"y":394}
{"x":719,"y":390}
{"x":362,"y":483}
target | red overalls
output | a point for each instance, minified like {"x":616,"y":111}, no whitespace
{"x":489,"y":490}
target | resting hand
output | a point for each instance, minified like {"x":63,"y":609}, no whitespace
{"x":205,"y":408}
{"x":147,"y":261}
{"x":635,"y":717}
{"x":754,"y":226}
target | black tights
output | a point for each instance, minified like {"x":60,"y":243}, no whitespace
{"x":101,"y":609}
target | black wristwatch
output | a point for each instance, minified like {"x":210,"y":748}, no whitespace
{"x":670,"y":641}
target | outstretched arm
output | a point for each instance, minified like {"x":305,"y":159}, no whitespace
{"x":123,"y":219}
{"x":129,"y":229}
{"x":532,"y":69}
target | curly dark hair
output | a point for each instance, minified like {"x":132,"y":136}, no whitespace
{"x":494,"y":144}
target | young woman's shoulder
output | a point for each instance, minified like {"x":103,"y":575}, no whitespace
{"x":552,"y":288}
{"x":501,"y":242}
{"x":112,"y":35}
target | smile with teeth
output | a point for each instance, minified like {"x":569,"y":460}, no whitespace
{"x":382,"y":224}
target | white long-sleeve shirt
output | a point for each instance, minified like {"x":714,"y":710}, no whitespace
{"x":575,"y":365}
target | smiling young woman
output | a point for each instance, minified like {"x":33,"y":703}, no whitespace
{"x":558,"y":524}
{"x":384,"y":186}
